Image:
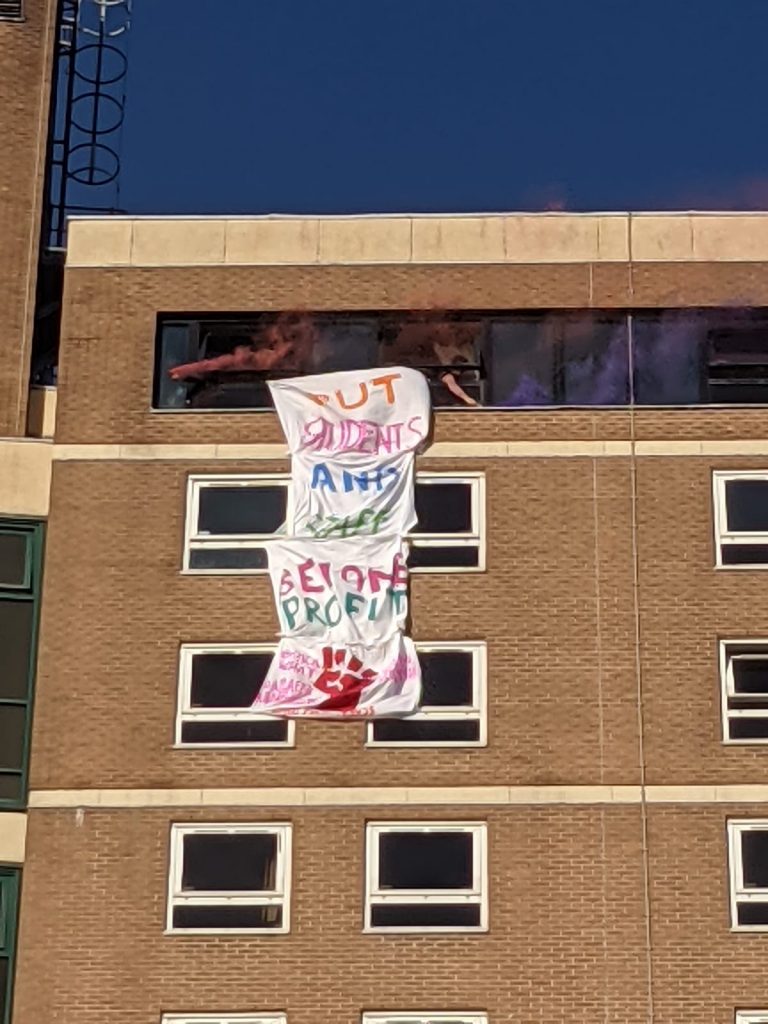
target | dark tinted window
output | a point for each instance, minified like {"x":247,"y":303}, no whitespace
{"x":754,"y":859}
{"x":228,"y":558}
{"x":669,"y":354}
{"x":425,"y":915}
{"x":229,"y":862}
{"x":396,"y":730}
{"x":446,"y":678}
{"x":227,"y":680}
{"x":13,"y":719}
{"x":443,"y":557}
{"x":747,"y":505}
{"x":425,"y":860}
{"x":235,"y":731}
{"x":227,"y":917}
{"x":13,"y":560}
{"x":559,"y":358}
{"x":750,"y":675}
{"x":443,"y":508}
{"x":16,"y":625}
{"x":241,"y":510}
{"x":752,"y":913}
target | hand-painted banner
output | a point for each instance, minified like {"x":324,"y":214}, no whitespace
{"x":336,"y":498}
{"x":355,"y":413}
{"x":348,"y":591}
{"x":307,"y":679}
{"x":341,"y":581}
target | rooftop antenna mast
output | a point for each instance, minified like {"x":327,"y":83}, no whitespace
{"x":88,"y":111}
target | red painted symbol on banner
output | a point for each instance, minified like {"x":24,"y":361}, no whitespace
{"x":341,"y":677}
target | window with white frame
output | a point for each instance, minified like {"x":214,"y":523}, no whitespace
{"x":748,"y":872}
{"x":217,"y":687}
{"x":230,"y":517}
{"x":400,"y":1017}
{"x":450,"y":527}
{"x":741,"y":518}
{"x":744,"y":687}
{"x":229,"y":878}
{"x":752,"y":1017}
{"x":452,"y":709}
{"x":426,"y":876}
{"x":223,"y":1018}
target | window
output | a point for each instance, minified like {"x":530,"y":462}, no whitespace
{"x":744,"y":688}
{"x":748,"y":870}
{"x":230,"y":517}
{"x":399,"y":1017}
{"x":426,"y":877}
{"x":741,"y":518}
{"x":223,"y":1018}
{"x":229,"y":878}
{"x":452,"y":709}
{"x":9,"y":903}
{"x":20,"y":569}
{"x":217,"y":686}
{"x":752,"y":1017}
{"x":10,"y":10}
{"x":451,"y":511}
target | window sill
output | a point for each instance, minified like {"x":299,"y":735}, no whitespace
{"x":260,"y":932}
{"x":457,"y":930}
{"x":431,"y":744}
{"x":235,"y":746}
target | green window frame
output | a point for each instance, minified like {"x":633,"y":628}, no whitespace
{"x":10,"y":880}
{"x":21,"y":555}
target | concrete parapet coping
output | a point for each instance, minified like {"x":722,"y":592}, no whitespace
{"x":492,"y":238}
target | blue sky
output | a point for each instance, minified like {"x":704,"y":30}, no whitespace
{"x":330,"y":106}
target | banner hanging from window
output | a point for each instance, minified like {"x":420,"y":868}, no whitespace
{"x":341,"y":580}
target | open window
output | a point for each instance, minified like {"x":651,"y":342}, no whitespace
{"x":229,"y":878}
{"x":748,"y":872}
{"x":217,"y":687}
{"x":741,"y":518}
{"x":426,"y":876}
{"x":452,"y":709}
{"x":744,"y":688}
{"x":229,"y":518}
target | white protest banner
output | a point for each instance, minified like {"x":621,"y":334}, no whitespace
{"x":310,"y":680}
{"x":336,"y":498}
{"x":340,"y":581}
{"x":357,"y":412}
{"x":339,"y":590}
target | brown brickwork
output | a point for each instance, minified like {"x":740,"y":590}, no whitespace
{"x":601,"y":608}
{"x":566,"y":939}
{"x":110,"y":322}
{"x":25,"y":71}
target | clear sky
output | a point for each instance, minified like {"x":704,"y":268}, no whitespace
{"x":334,"y":106}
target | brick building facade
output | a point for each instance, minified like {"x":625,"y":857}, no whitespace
{"x":575,"y":826}
{"x":603,"y":836}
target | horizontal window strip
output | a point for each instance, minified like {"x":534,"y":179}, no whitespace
{"x":362,"y":796}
